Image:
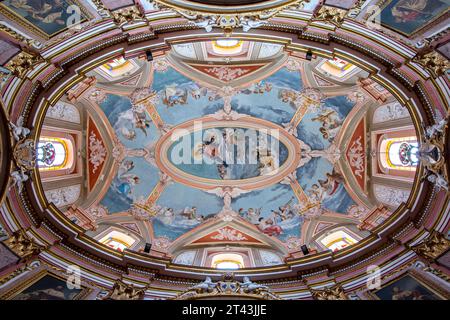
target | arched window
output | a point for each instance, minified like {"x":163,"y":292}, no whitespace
{"x":338,"y":240}
{"x":52,"y":153}
{"x":399,"y":153}
{"x":118,"y":240}
{"x":227,"y":46}
{"x":228,"y":261}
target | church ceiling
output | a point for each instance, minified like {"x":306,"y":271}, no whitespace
{"x":151,"y":142}
{"x":267,"y":151}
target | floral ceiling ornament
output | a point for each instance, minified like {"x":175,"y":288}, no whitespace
{"x":97,"y":212}
{"x":97,"y":154}
{"x":160,"y":64}
{"x":97,"y":95}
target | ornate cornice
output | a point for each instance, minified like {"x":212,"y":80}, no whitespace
{"x":330,"y":293}
{"x":347,"y":258}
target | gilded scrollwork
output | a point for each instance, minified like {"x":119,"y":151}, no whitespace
{"x":23,"y":62}
{"x":20,"y":37}
{"x":435,"y":63}
{"x":125,"y":291}
{"x":432,"y":247}
{"x":330,"y":293}
{"x":331,"y":14}
{"x":23,"y":245}
{"x":127,"y":15}
{"x":101,"y":9}
{"x":230,"y":21}
{"x":25,"y":154}
{"x":22,"y":269}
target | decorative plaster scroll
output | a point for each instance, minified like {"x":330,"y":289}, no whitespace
{"x":391,"y":195}
{"x":64,"y":196}
{"x":390,"y":111}
{"x":64,"y":111}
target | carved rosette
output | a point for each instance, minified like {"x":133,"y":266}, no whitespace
{"x":433,"y":247}
{"x":330,"y":293}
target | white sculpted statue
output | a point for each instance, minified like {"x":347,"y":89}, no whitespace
{"x":205,"y":286}
{"x":435,"y":129}
{"x":438,"y":180}
{"x":252,"y":286}
{"x":18,"y":130}
{"x":19,"y":177}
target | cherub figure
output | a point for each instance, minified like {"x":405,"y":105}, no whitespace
{"x":18,"y":130}
{"x":252,"y":287}
{"x":19,"y":178}
{"x":206,"y":286}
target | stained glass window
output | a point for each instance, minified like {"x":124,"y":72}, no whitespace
{"x":400,"y":153}
{"x":51,"y":154}
{"x":338,"y":240}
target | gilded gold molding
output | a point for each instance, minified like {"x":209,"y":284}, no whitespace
{"x":228,"y":287}
{"x":432,"y":247}
{"x":435,"y":63}
{"x":22,"y":245}
{"x":22,"y":63}
{"x":19,"y":37}
{"x":127,"y":15}
{"x":330,"y":293}
{"x":331,"y":14}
